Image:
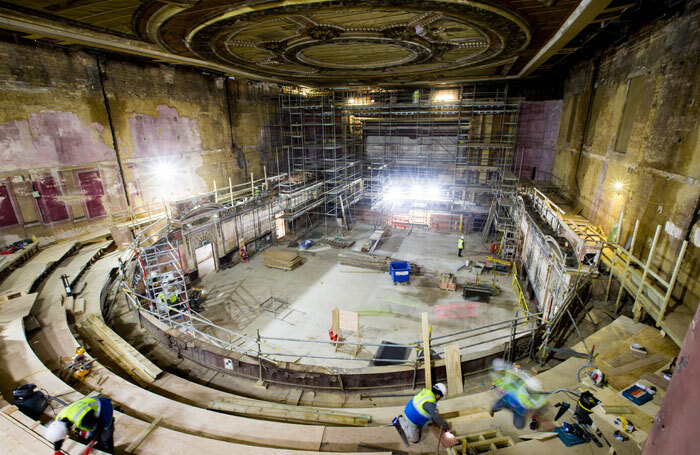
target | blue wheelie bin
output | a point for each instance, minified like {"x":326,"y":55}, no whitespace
{"x":400,"y":271}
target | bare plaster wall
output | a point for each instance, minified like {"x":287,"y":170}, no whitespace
{"x":54,"y":122}
{"x":630,"y":116}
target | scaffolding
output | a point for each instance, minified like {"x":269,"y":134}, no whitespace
{"x":457,"y":140}
{"x":320,"y":150}
{"x":378,"y":148}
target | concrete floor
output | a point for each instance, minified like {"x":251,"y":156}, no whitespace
{"x":388,"y":312}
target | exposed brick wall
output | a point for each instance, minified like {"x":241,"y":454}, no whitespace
{"x":635,"y":121}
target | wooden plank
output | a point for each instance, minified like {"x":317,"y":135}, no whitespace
{"x":288,"y":413}
{"x":623,"y":359}
{"x":143,"y":435}
{"x":462,"y":424}
{"x":426,"y":351}
{"x":453,"y":364}
{"x":122,"y":353}
{"x":538,"y":436}
{"x":656,"y":359}
{"x":610,"y":409}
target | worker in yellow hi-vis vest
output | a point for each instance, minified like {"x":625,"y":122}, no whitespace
{"x":91,"y":417}
{"x":460,"y":245}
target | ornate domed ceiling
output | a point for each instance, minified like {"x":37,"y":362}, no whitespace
{"x":336,"y":42}
{"x":323,"y":41}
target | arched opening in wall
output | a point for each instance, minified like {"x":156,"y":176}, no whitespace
{"x":205,"y":260}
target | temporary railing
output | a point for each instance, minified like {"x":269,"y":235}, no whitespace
{"x":518,"y":291}
{"x":651,"y":292}
{"x":270,"y":348}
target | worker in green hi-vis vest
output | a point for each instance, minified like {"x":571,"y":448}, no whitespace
{"x":460,"y":246}
{"x":519,"y":392}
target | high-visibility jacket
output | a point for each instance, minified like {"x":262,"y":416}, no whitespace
{"x":414,"y":409}
{"x":171,"y":299}
{"x":75,"y":412}
{"x":517,"y":394}
{"x":460,"y":244}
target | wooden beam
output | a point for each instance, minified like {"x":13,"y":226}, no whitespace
{"x":586,"y":12}
{"x":288,"y":413}
{"x":637,"y":309}
{"x":539,"y":436}
{"x":142,"y":436}
{"x":610,"y":409}
{"x":426,"y":351}
{"x":672,"y":282}
{"x":122,"y":353}
{"x":623,"y":281}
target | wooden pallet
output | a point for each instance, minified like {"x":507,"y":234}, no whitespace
{"x":280,"y":259}
{"x":481,"y":442}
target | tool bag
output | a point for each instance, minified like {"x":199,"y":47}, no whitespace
{"x":29,"y":400}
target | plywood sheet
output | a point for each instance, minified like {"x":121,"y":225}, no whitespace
{"x":453,"y":363}
{"x":660,"y":350}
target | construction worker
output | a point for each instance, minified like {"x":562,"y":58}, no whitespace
{"x":166,"y":299}
{"x":91,"y":417}
{"x":460,"y":245}
{"x":421,"y":410}
{"x":519,"y":392}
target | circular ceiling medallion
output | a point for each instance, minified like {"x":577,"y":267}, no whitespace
{"x":356,"y":55}
{"x":331,"y":41}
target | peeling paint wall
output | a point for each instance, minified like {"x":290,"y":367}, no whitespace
{"x":538,"y":125}
{"x":54,"y":122}
{"x":628,"y":142}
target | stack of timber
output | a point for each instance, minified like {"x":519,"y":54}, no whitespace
{"x":371,"y":261}
{"x":280,"y":259}
{"x":96,"y":332}
{"x":337,"y":242}
{"x":287,"y":412}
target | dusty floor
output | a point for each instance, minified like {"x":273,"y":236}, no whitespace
{"x":388,"y":312}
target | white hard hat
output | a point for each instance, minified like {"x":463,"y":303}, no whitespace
{"x":440,"y":387}
{"x":461,"y":237}
{"x":533,"y":384}
{"x":56,"y":431}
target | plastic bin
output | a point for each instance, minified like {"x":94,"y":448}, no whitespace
{"x":400,"y":271}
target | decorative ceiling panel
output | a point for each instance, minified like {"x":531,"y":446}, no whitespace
{"x":331,"y":42}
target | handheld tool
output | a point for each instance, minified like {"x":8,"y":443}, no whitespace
{"x":563,"y":407}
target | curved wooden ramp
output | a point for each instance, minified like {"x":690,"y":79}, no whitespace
{"x":20,"y":365}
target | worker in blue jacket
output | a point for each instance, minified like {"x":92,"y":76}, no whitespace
{"x":421,"y":410}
